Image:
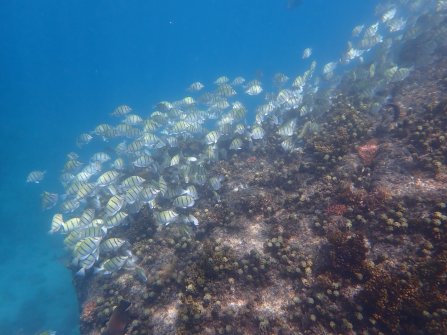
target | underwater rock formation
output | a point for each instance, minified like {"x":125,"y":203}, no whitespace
{"x":327,"y":216}
{"x":300,"y":242}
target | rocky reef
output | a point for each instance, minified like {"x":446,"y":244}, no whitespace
{"x":346,"y":236}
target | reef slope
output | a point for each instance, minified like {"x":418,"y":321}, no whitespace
{"x":345,"y":236}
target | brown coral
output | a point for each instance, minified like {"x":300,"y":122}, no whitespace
{"x":336,"y":209}
{"x":348,"y":253}
{"x":88,"y":311}
{"x":368,"y":151}
{"x":393,"y":300}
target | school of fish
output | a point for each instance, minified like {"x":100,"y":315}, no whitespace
{"x":162,"y":162}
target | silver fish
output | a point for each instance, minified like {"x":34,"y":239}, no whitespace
{"x":115,"y":264}
{"x":56,"y":223}
{"x":121,"y":110}
{"x":307,"y":53}
{"x":184,"y":201}
{"x":114,"y":205}
{"x":196,"y":86}
{"x":254,"y":89}
{"x":257,"y":133}
{"x":35,"y":176}
{"x":86,"y":247}
{"x":113,"y":244}
{"x":86,"y":264}
{"x":48,"y":200}
{"x":115,"y":220}
{"x":166,"y":217}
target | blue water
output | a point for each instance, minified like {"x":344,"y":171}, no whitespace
{"x":65,"y":65}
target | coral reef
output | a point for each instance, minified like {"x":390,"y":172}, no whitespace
{"x":344,"y":237}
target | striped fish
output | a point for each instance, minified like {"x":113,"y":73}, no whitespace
{"x":135,"y":146}
{"x":211,"y":153}
{"x":132,"y":120}
{"x":288,"y":145}
{"x":184,"y":201}
{"x":72,"y":164}
{"x":257,"y":133}
{"x":83,"y":139}
{"x":149,"y":193}
{"x":239,"y":129}
{"x":115,"y":220}
{"x":212,"y":137}
{"x":172,"y":141}
{"x":86,"y":246}
{"x":288,"y":128}
{"x":150,"y":140}
{"x":112,"y":244}
{"x":174,"y":191}
{"x":56,"y":223}
{"x":35,"y":176}
{"x":196,"y":86}
{"x":132,"y":181}
{"x":103,"y":130}
{"x":72,"y":155}
{"x":192,"y":191}
{"x":101,"y":157}
{"x":143,"y":161}
{"x":180,"y":127}
{"x":221,"y":80}
{"x":236,"y":144}
{"x":91,"y":232}
{"x":70,"y":225}
{"x":118,"y":164}
{"x":93,"y":167}
{"x":48,"y":200}
{"x":190,"y":219}
{"x":133,"y":194}
{"x":254,"y":89}
{"x":166,"y":217}
{"x":225,"y":90}
{"x":175,"y":160}
{"x":87,"y":216}
{"x":162,"y":185}
{"x":307,"y":53}
{"x":86,"y":264}
{"x":86,"y":190}
{"x":121,"y":110}
{"x":112,"y":265}
{"x":74,"y":187}
{"x":83,"y":176}
{"x":71,"y":239}
{"x":107,"y":178}
{"x":76,"y":235}
{"x":216,"y":182}
{"x":114,"y":205}
{"x":150,"y":125}
{"x":238,"y":81}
